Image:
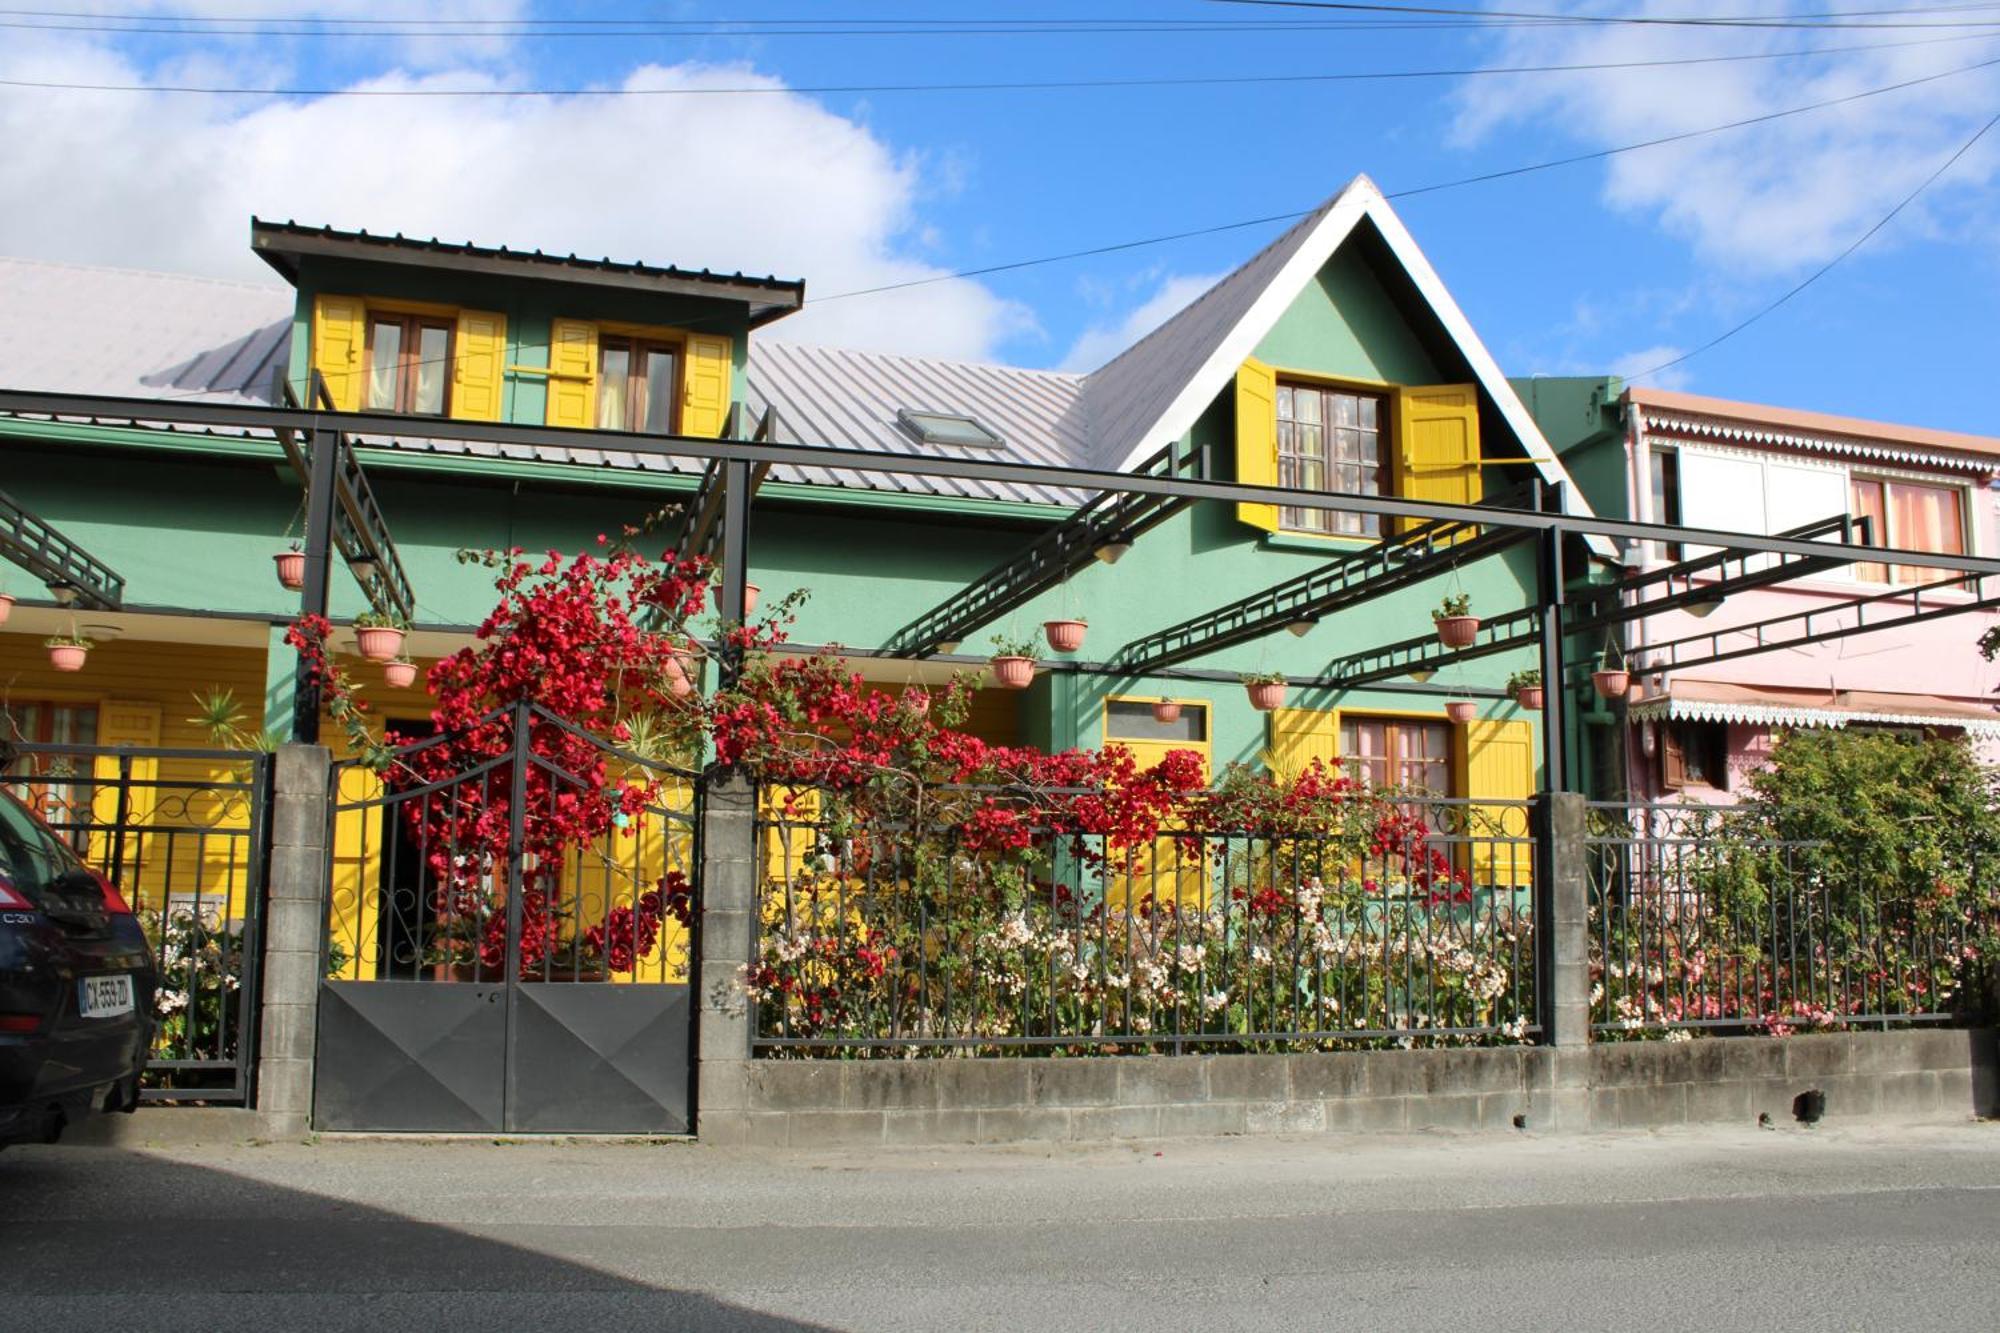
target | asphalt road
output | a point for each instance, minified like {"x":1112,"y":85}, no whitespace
{"x":1877,"y":1228}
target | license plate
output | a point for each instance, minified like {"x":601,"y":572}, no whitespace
{"x":104,"y":997}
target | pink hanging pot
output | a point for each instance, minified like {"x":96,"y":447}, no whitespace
{"x":1065,"y":636}
{"x":291,"y":569}
{"x":399,"y":675}
{"x":1166,"y":710}
{"x":1012,"y":672}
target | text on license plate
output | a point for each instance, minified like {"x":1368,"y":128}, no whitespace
{"x":104,"y":997}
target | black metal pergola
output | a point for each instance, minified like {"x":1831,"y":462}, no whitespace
{"x":1119,"y":508}
{"x":71,"y":574}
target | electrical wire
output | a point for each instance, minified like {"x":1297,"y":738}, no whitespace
{"x":1830,"y":264}
{"x":1614,"y":20}
{"x":1026,"y":85}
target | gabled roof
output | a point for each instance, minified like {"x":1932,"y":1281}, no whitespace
{"x":1758,"y":423}
{"x":283,"y":244}
{"x":1153,"y":392}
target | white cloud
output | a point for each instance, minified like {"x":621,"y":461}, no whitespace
{"x":1775,"y":197}
{"x":768,"y":184}
{"x":1101,"y":342}
{"x":1634,"y":365}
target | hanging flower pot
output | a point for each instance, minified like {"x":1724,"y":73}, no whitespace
{"x":1166,"y":710}
{"x":1266,"y":691}
{"x":67,"y":652}
{"x":1013,"y":671}
{"x":1065,"y":636}
{"x":1457,"y":627}
{"x":291,"y":569}
{"x":1611,"y":682}
{"x":681,"y":669}
{"x":1526,"y":687}
{"x":918,"y":700}
{"x":399,"y":674}
{"x":1461,"y":711}
{"x":751,"y":592}
{"x":379,"y":638}
{"x":6,"y":607}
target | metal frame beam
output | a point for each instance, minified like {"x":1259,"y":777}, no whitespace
{"x":1395,"y":562}
{"x":357,"y":528}
{"x":829,"y":458}
{"x":1053,"y":556}
{"x":1603,"y":607}
{"x":37,"y":547}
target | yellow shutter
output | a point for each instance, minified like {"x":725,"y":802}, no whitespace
{"x":1257,"y":439}
{"x":361,"y":825}
{"x":1496,"y":762}
{"x":706,"y":405}
{"x":572,"y":373}
{"x":135,"y":724}
{"x":1301,"y":735}
{"x":478,"y":365}
{"x":1166,"y":869}
{"x":1437,"y":444}
{"x":788,"y":850}
{"x":339,"y":338}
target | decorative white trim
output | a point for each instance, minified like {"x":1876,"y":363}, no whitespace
{"x":1778,"y":715}
{"x":1672,"y":423}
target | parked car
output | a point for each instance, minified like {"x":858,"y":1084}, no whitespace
{"x":76,"y":985}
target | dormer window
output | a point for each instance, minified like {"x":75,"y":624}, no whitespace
{"x":949,"y":428}
{"x":409,"y":364}
{"x":636,"y":384}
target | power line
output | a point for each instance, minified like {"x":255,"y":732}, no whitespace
{"x":1634,"y":20}
{"x":1409,"y":192}
{"x":1830,"y":264}
{"x":1025,"y":85}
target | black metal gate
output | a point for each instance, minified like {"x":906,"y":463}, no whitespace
{"x":508,"y":936}
{"x":182,"y":833}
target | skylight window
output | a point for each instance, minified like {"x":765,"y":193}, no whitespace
{"x":949,"y":428}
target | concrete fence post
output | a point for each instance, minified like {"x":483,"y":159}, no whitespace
{"x":1564,"y":922}
{"x":294,"y":918}
{"x":727,"y":939}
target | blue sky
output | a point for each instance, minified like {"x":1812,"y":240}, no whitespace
{"x":1617,"y":264}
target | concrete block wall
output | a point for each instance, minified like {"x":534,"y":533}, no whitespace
{"x":1612,"y":1085}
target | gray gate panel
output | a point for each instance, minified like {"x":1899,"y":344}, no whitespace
{"x":600,"y":1058}
{"x":404,"y":1055}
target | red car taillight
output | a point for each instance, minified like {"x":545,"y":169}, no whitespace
{"x":11,"y":899}
{"x":20,"y":1022}
{"x":114,"y":901}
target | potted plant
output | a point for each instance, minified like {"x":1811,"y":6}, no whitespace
{"x":1612,"y":677}
{"x":1461,"y":711}
{"x":1267,"y":689}
{"x":1065,"y":635}
{"x":917,"y":699}
{"x":1526,"y":687}
{"x":68,"y":651}
{"x":1166,"y":710}
{"x":1457,"y":627}
{"x":751,"y":592}
{"x":379,"y":635}
{"x":681,"y":668}
{"x":1013,"y":662}
{"x":399,"y":673}
{"x":291,"y":568}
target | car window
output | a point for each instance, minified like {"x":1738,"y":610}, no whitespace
{"x":30,"y":856}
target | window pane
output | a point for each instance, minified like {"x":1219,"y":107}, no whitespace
{"x":657,"y":402}
{"x":433,"y":360}
{"x":1130,"y":721}
{"x":385,"y":364}
{"x":614,"y":384}
{"x":1924,"y":518}
{"x":1868,"y":504}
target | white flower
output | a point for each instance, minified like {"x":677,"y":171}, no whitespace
{"x":1213,"y":1001}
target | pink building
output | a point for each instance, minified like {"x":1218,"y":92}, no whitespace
{"x":1703,"y":716}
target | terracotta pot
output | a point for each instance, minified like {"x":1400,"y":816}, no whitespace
{"x":67,"y":656}
{"x":1166,"y":710}
{"x":1264,"y":698}
{"x":6,"y":607}
{"x":1609,"y":683}
{"x":1461,"y":710}
{"x":751,"y":592}
{"x":399,"y":675}
{"x":291,"y":569}
{"x":1013,"y":673}
{"x":1457,"y":631}
{"x":379,"y":643}
{"x":918,"y":702}
{"x":1065,"y":636}
{"x":1529,"y":696}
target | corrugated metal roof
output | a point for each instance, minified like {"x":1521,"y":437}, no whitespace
{"x":1126,"y":397}
{"x":68,"y":328}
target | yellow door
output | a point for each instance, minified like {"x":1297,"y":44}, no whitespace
{"x":1496,"y":762}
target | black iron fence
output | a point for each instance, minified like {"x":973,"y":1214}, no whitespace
{"x":900,"y":940}
{"x":1702,"y":921}
{"x":182,"y":835}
